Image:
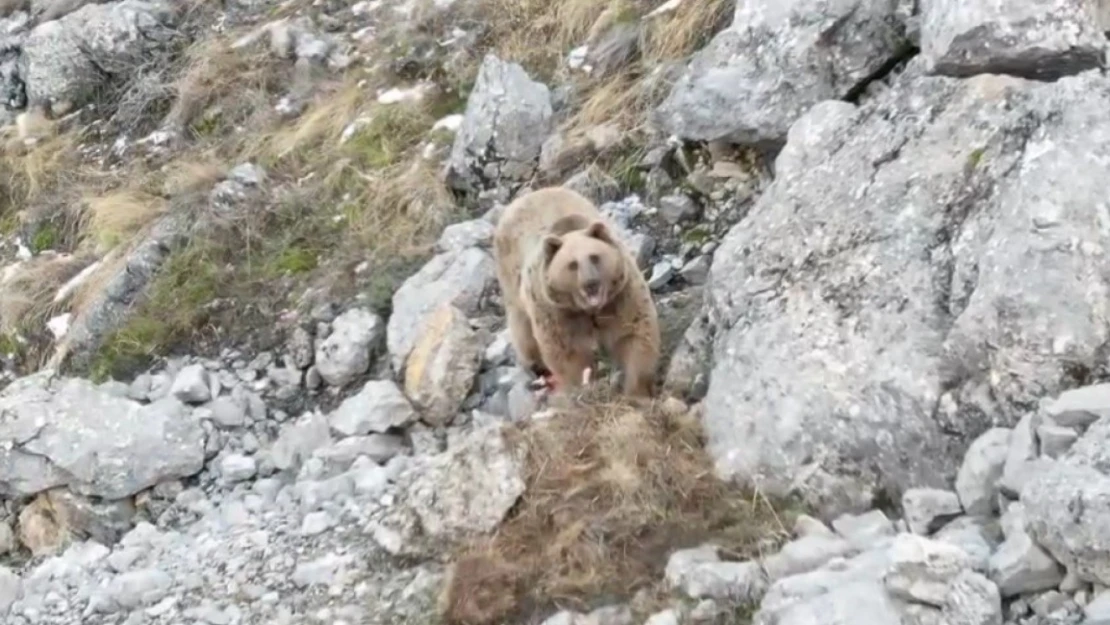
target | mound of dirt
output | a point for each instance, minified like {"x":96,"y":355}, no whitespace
{"x":612,"y":489}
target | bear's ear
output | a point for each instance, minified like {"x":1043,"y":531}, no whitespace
{"x":551,"y":244}
{"x":600,"y":231}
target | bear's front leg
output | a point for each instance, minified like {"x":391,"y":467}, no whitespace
{"x":524,"y":342}
{"x":566,"y":355}
{"x":638,"y":359}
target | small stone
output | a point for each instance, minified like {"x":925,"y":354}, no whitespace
{"x":500,"y":351}
{"x":804,"y":525}
{"x":377,"y":447}
{"x":678,"y":208}
{"x":138,"y":588}
{"x":1097,"y":611}
{"x":1020,"y":456}
{"x":865,"y":530}
{"x":238,"y":468}
{"x":683,"y":561}
{"x":805,"y":554}
{"x":1020,"y":566}
{"x":975,"y":536}
{"x":370,"y":479}
{"x":611,"y":615}
{"x":1049,"y":602}
{"x":641,"y":246}
{"x":319,"y":572}
{"x":346,"y":353}
{"x":972,"y":599}
{"x":39,"y":530}
{"x":379,"y":407}
{"x":228,"y":413}
{"x":927,"y":509}
{"x":522,"y":402}
{"x":661,"y":274}
{"x":316,"y":523}
{"x":1071,"y":583}
{"x":696,"y":272}
{"x":7,"y":538}
{"x":739,"y":582}
{"x":1055,"y":439}
{"x":192,"y":385}
{"x":301,"y":352}
{"x":139,"y":389}
{"x":1080,"y":407}
{"x":977,"y":480}
{"x":921,"y":569}
{"x":666,"y":617}
{"x":457,"y":237}
{"x":11,"y":587}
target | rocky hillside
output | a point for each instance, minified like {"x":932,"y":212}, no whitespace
{"x":253,"y":363}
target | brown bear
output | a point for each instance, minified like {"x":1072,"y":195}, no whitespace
{"x":570,"y":286}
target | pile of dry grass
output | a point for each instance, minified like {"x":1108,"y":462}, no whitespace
{"x":612,"y":490}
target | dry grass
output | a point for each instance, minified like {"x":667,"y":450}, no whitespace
{"x":611,"y":491}
{"x":115,"y":217}
{"x":26,"y":171}
{"x":221,"y":88}
{"x":679,"y":33}
{"x":29,"y":291}
{"x":336,"y":199}
{"x":624,"y":96}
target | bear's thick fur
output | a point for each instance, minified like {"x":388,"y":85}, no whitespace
{"x":570,"y":286}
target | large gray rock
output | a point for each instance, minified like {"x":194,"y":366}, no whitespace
{"x":1067,"y":511}
{"x":775,"y":61}
{"x":1080,"y":406}
{"x":461,"y":279}
{"x":1044,"y":39}
{"x":443,"y":365}
{"x":851,"y":593}
{"x":69,"y":432}
{"x":977,"y":480}
{"x":977,"y":536}
{"x":69,"y":59}
{"x":806,"y":554}
{"x":1020,"y":565}
{"x":927,"y":509}
{"x":921,"y":569}
{"x":700,"y":574}
{"x":379,"y":407}
{"x":10,"y":589}
{"x":466,"y":490}
{"x":1093,"y":448}
{"x":346,"y":353}
{"x":508,"y":116}
{"x":1021,"y":456}
{"x":192,"y":385}
{"x":869,"y":298}
{"x":972,"y":599}
{"x":865,"y":530}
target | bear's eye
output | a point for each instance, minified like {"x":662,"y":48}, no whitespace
{"x":595,"y":259}
{"x":573,"y":265}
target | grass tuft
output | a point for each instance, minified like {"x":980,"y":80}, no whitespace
{"x":612,"y":490}
{"x":113,"y":218}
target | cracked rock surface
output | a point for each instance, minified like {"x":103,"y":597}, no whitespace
{"x":871,"y":293}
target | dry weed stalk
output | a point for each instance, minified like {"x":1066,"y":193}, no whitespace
{"x":28,"y":293}
{"x":612,"y":489}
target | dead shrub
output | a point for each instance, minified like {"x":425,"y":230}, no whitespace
{"x":612,"y":490}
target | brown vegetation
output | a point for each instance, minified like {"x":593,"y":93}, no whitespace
{"x":612,"y":489}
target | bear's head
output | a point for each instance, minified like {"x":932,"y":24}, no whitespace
{"x":584,"y":266}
